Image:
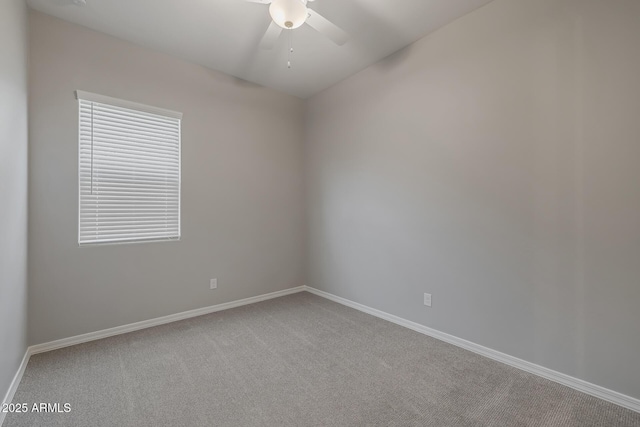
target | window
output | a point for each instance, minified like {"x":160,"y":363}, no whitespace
{"x":129,"y":171}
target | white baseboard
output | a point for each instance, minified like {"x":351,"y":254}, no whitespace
{"x":558,"y":377}
{"x":14,"y":384}
{"x":105,"y":333}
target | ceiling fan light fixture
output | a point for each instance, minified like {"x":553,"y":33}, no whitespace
{"x":288,"y":14}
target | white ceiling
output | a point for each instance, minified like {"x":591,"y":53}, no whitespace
{"x":224,"y":34}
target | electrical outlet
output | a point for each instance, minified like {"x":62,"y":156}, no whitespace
{"x":427,"y":300}
{"x":213,"y":284}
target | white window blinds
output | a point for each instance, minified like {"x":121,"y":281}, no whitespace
{"x":129,"y":171}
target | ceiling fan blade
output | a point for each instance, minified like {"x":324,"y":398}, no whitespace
{"x":270,"y":36}
{"x":79,"y":3}
{"x":326,"y":27}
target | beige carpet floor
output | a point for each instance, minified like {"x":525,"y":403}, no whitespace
{"x":298,"y":360}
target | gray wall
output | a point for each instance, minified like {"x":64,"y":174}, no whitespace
{"x":493,"y":164}
{"x":13,"y":188}
{"x":242,"y":219}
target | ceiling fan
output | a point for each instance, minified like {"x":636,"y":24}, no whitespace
{"x":291,"y":14}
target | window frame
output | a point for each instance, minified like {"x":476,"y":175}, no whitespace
{"x":135,"y":106}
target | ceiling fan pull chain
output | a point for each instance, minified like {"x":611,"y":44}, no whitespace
{"x":291,"y":42}
{"x":290,"y":48}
